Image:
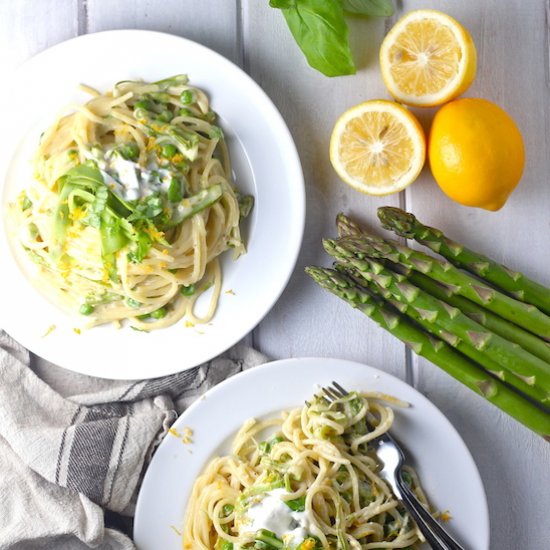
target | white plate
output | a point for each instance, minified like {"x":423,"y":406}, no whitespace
{"x":446,"y":469}
{"x":265,"y":162}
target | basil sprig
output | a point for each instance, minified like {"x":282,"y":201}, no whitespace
{"x":375,"y":8}
{"x":320,"y":29}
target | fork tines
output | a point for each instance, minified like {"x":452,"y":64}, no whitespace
{"x":334,"y":392}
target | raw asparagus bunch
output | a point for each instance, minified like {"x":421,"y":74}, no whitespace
{"x":447,"y":322}
{"x":448,"y":293}
{"x":503,"y":339}
{"x":517,"y":284}
{"x":433,"y":349}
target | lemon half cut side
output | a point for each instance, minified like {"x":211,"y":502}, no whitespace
{"x":427,"y":59}
{"x":378,"y":147}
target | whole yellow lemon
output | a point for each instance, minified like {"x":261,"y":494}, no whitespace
{"x":476,"y":152}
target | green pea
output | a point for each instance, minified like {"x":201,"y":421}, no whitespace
{"x":187,"y":97}
{"x":210,"y":116}
{"x":185,"y":112}
{"x":159,"y":313}
{"x":188,"y":290}
{"x":130,"y":302}
{"x":143,"y":104}
{"x":129,"y":151}
{"x":216,"y":133}
{"x":222,"y":544}
{"x":86,"y":309}
{"x":174,"y":190}
{"x":165,"y":116}
{"x":168,"y":150}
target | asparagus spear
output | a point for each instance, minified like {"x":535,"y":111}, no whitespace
{"x":514,"y":358}
{"x":347,"y":227}
{"x":517,"y":284}
{"x":479,"y":356}
{"x":524,"y":315}
{"x":435,"y":350}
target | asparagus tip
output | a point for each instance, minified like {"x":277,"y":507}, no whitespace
{"x":397,"y":220}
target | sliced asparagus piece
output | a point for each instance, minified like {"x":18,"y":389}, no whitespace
{"x":435,"y":350}
{"x":516,"y":283}
{"x":194,"y":204}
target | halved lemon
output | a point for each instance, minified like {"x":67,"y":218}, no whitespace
{"x":378,"y":147}
{"x":427,"y":59}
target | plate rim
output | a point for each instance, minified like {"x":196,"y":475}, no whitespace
{"x":287,"y":146}
{"x":148,"y":481}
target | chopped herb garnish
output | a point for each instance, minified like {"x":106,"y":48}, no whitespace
{"x":266,"y":446}
{"x":297,"y":504}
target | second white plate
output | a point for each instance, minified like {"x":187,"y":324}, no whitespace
{"x":265,"y":163}
{"x":446,"y":469}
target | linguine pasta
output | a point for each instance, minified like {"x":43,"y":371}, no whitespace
{"x":132,"y":204}
{"x":314,"y":484}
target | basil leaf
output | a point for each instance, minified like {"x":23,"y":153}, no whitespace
{"x":321,"y":32}
{"x":377,"y":8}
{"x":85,"y":175}
{"x":113,"y":236}
{"x":281,"y":3}
{"x":61,"y":221}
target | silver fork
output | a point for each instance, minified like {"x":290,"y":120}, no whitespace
{"x":392,"y":458}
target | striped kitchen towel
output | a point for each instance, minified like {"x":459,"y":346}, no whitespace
{"x":73,"y":448}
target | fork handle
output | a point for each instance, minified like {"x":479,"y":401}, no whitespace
{"x":435,"y":535}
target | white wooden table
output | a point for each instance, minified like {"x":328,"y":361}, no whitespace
{"x":512,"y":38}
